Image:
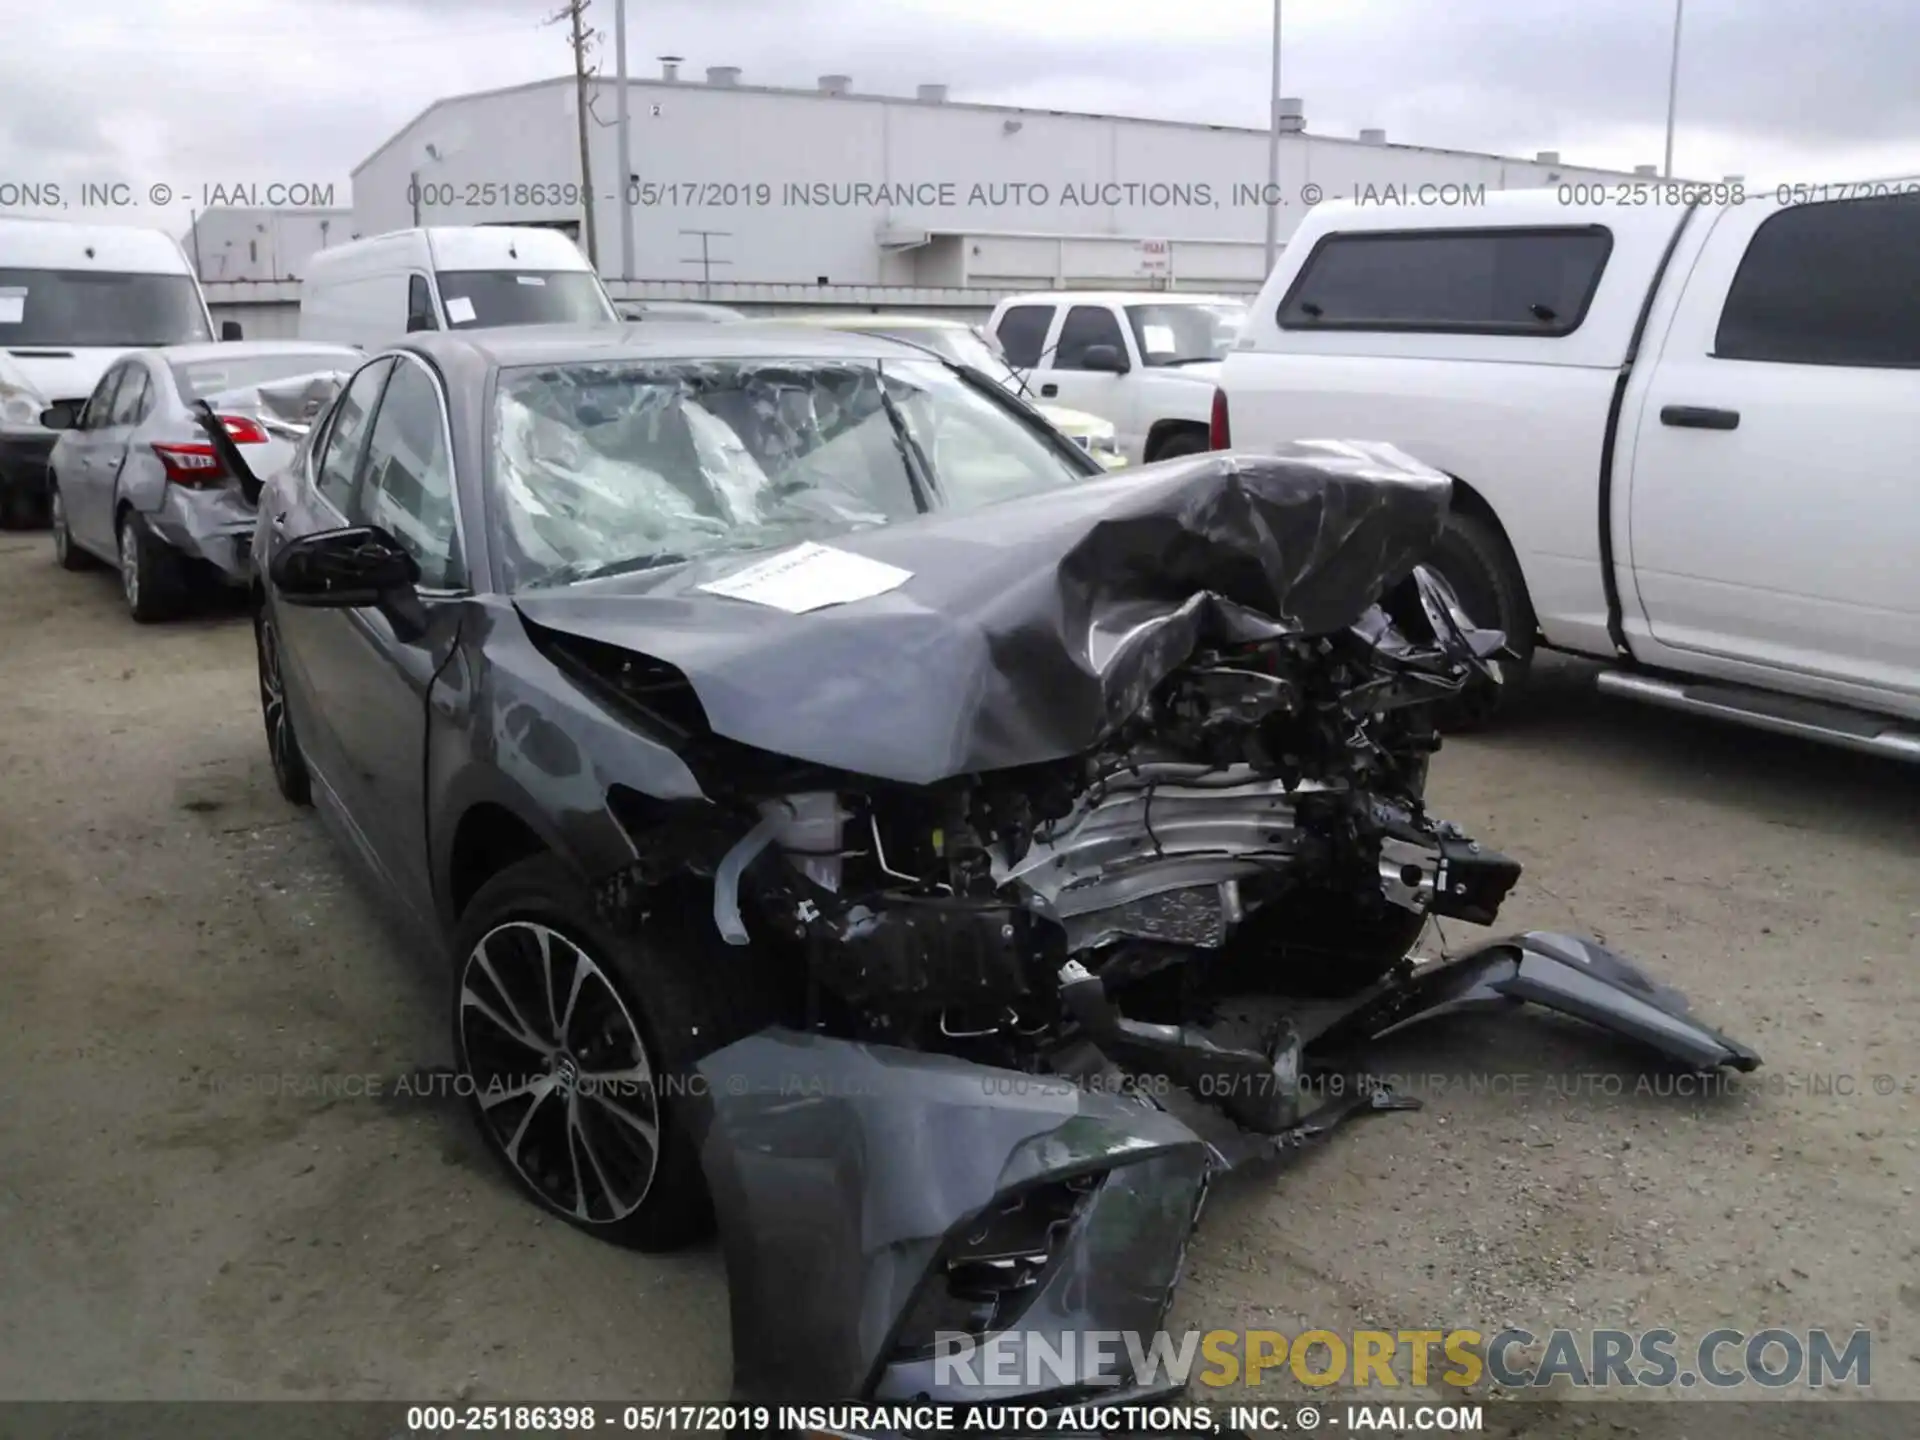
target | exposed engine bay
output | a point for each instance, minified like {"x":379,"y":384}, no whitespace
{"x":1106,"y":763}
{"x":991,"y":916}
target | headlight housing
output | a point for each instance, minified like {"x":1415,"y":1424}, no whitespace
{"x":20,"y":407}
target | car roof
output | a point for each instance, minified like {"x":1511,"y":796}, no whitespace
{"x":511,"y":346}
{"x":250,"y":350}
{"x":1123,"y":297}
{"x":885,"y":322}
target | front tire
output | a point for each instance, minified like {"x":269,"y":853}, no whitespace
{"x":66,"y":554}
{"x":575,"y":1043}
{"x":290,"y":774}
{"x":1475,"y":559}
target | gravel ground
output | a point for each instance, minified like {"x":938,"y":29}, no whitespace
{"x":170,"y":930}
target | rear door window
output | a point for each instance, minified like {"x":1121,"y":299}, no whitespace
{"x":1512,"y":281}
{"x":1837,"y":283}
{"x":1022,"y":333}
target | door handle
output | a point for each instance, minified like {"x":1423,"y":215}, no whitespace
{"x":1699,"y":417}
{"x":1049,"y":389}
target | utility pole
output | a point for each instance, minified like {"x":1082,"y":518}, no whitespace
{"x":626,"y":143}
{"x":1673,"y":87}
{"x":573,"y":12}
{"x":1273,"y":149}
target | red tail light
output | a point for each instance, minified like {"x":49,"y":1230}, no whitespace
{"x":192,"y":463}
{"x":243,"y":431}
{"x":1218,"y":435}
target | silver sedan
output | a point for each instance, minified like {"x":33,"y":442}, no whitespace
{"x":158,"y":472}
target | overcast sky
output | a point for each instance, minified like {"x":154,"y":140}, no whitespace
{"x":186,"y":92}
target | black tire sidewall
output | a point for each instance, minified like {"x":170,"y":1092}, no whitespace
{"x":1180,"y":444}
{"x":66,"y":554}
{"x":160,"y":581}
{"x":543,"y":889}
{"x":295,"y":784}
{"x":1475,"y":560}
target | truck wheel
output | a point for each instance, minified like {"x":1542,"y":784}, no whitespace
{"x":1181,"y":442}
{"x":1475,"y":559}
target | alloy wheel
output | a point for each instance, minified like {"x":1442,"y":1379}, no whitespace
{"x":273,"y":703}
{"x":130,"y":564}
{"x":57,"y":518}
{"x":560,"y":1072}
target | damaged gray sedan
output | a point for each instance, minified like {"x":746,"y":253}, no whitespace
{"x":853,"y":817}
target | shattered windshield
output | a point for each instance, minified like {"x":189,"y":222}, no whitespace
{"x":1185,"y":334}
{"x":604,"y":467}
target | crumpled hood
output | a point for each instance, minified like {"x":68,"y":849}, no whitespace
{"x":1027,"y":631}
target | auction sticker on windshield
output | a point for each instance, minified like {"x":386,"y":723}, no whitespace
{"x":13,"y":306}
{"x":810,"y":577}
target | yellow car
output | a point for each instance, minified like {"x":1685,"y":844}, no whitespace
{"x":968,"y":345}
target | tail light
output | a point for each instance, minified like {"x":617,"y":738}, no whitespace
{"x":1218,"y":435}
{"x":243,"y":431}
{"x":191,"y":463}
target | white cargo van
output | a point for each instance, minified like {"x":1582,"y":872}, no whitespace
{"x":73,"y":298}
{"x":371,"y":292}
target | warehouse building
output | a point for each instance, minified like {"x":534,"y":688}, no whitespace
{"x":236,"y":243}
{"x":772,"y":198}
{"x":755,"y":194}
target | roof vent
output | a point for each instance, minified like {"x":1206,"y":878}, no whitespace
{"x":933,"y":94}
{"x":670,"y":67}
{"x":1546,"y":157}
{"x":1646,"y":169}
{"x":1373,"y":137}
{"x":1290,"y":115}
{"x":723,"y":75}
{"x":835,"y":84}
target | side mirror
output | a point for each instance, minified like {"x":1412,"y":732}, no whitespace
{"x":1105,"y":358}
{"x":61,"y":415}
{"x":230,"y":330}
{"x":343,"y":569}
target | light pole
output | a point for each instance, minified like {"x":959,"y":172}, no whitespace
{"x":625,"y":141}
{"x":1273,"y":148}
{"x":1673,"y":85}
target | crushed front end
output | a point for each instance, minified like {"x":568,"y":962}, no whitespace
{"x":1027,"y":832}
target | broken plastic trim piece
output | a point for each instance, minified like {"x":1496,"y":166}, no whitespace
{"x":1575,"y":977}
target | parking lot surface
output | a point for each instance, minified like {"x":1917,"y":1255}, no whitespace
{"x":196,"y":1214}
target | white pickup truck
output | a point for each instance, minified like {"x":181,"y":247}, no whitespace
{"x":1146,"y":360}
{"x":1685,"y":437}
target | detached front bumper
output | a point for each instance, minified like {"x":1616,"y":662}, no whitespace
{"x":900,"y":1225}
{"x":215,"y":526}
